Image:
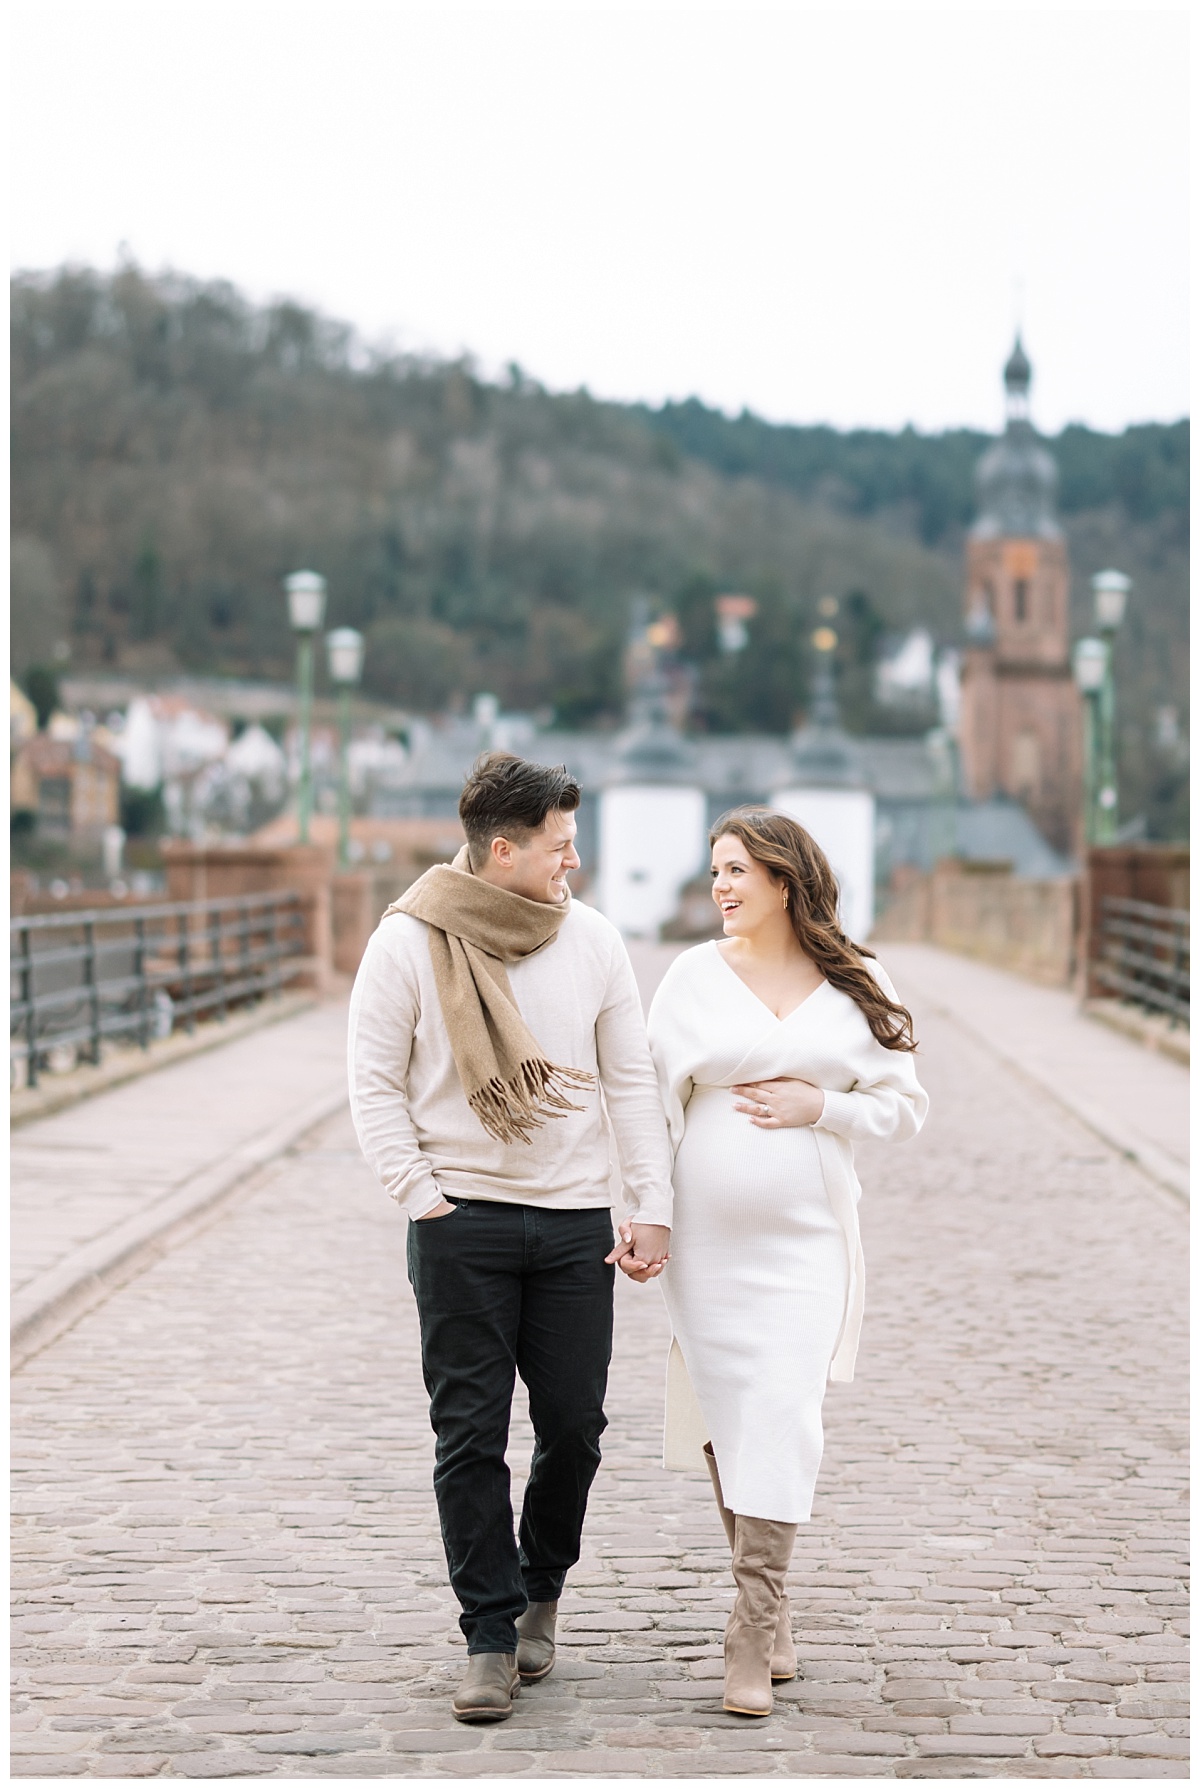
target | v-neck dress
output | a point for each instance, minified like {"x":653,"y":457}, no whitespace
{"x":766,"y":1279}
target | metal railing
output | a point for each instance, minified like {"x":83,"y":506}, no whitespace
{"x":79,"y":979}
{"x":1145,"y":955}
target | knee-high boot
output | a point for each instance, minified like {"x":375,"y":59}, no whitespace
{"x":783,"y":1652}
{"x":762,"y":1552}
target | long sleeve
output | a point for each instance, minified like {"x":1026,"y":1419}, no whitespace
{"x":883,"y":1110}
{"x":384,"y":1009}
{"x":630,"y":1089}
{"x":886,"y":1102}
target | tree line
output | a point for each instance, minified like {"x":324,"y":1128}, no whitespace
{"x":1144,"y":471}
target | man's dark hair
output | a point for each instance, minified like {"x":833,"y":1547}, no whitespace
{"x":509,"y":797}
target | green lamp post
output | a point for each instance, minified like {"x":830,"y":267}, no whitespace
{"x":306,"y":611}
{"x":1111,"y":592}
{"x":1090,"y":662}
{"x":345,"y":648}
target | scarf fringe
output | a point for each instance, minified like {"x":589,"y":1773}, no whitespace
{"x":512,"y":1110}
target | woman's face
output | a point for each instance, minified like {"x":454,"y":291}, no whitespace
{"x":747,"y":895}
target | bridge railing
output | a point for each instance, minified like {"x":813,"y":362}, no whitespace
{"x":1145,"y":955}
{"x":80,"y":979}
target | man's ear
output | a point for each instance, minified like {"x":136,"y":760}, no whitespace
{"x":502,"y":854}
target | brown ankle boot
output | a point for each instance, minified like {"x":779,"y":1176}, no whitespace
{"x":486,"y":1692}
{"x":783,"y":1652}
{"x":762,"y":1552}
{"x":535,"y":1641}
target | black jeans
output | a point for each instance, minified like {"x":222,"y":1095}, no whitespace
{"x":506,"y":1289}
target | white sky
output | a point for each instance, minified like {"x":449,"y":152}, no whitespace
{"x":827,"y":215}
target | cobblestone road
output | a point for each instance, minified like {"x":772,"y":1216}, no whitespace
{"x":228,"y":1565}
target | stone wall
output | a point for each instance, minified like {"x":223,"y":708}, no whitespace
{"x":982,"y":910}
{"x":342,"y":908}
{"x":210,"y":871}
{"x":360,"y":898}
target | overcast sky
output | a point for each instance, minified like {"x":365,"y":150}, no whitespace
{"x":826,"y":215}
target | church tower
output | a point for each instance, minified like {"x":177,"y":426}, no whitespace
{"x":1021,"y":726}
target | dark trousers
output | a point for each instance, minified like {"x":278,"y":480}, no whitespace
{"x":507,"y":1289}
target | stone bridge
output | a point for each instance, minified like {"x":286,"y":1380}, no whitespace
{"x":226,"y":1554}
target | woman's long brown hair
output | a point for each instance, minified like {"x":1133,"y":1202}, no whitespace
{"x":793,"y":857}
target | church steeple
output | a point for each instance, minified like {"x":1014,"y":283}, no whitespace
{"x":822,"y":753}
{"x":651,"y":747}
{"x":1017,"y":479}
{"x":1018,"y":375}
{"x":1019,"y":721}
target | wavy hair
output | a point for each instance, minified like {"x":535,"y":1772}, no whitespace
{"x":791,"y":856}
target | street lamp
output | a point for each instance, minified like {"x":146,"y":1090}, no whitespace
{"x":345,"y":648}
{"x":306,"y":611}
{"x":1111,"y":591}
{"x":1090,"y":662}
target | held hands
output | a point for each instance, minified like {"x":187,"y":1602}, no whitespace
{"x":779,"y":1105}
{"x":642,"y":1252}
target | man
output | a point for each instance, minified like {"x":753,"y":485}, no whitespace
{"x":489,"y":1016}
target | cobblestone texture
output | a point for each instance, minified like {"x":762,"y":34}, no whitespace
{"x":227,"y":1561}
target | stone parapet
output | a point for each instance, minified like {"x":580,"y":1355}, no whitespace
{"x":341,"y":907}
{"x":982,"y":910}
{"x":212,"y":871}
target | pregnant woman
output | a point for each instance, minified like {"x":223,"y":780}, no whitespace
{"x":777,"y":1047}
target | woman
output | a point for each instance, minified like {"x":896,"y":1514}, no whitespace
{"x":777,"y":1047}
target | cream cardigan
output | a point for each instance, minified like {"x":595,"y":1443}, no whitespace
{"x":869,"y":1091}
{"x":579,"y":998}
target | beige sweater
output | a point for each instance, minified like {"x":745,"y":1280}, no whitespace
{"x":578,"y":997}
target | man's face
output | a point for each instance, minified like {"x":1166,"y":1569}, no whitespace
{"x":538,"y":866}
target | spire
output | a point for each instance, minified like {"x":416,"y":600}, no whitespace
{"x":1018,"y":375}
{"x":1017,"y":479}
{"x":651,"y":748}
{"x":825,"y":714}
{"x":1017,"y":370}
{"x":822,"y":753}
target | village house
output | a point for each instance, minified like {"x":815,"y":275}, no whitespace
{"x":72,"y":787}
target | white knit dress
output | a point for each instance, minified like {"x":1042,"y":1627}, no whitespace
{"x":765,"y":1283}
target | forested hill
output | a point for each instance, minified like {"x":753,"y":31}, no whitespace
{"x":177,"y":450}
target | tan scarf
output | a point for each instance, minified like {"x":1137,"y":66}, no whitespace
{"x":474,"y":929}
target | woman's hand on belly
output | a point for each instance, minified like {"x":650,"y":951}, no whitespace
{"x":778,"y":1105}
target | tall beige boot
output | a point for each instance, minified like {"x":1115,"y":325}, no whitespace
{"x":762,"y":1552}
{"x":783,"y":1653}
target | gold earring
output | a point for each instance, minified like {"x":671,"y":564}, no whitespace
{"x":785,"y":898}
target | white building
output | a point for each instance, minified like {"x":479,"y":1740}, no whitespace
{"x":828,"y":795}
{"x":652,"y":821}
